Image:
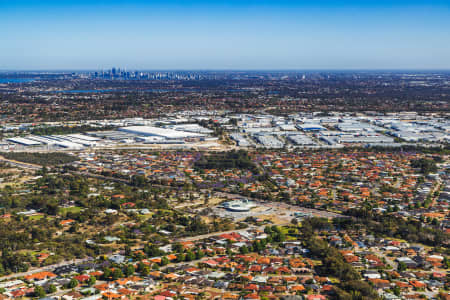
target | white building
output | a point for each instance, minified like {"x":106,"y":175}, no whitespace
{"x":162,"y":132}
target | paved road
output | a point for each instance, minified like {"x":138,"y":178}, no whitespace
{"x":389,"y":260}
{"x":83,"y":260}
{"x":20,"y":164}
{"x":47,"y":268}
{"x":205,"y":236}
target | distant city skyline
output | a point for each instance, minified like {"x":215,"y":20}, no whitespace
{"x":224,"y":35}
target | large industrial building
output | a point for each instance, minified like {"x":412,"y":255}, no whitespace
{"x":23,"y":141}
{"x":166,"y":133}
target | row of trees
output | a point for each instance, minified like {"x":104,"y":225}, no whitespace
{"x":43,"y":159}
{"x":333,"y":264}
{"x":388,"y":225}
{"x":50,"y":130}
{"x":227,"y":160}
{"x":425,"y":166}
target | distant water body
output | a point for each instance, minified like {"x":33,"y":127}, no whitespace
{"x":131,"y":90}
{"x":15,"y":80}
{"x":83,"y":91}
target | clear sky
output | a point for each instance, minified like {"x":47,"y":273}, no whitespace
{"x":234,"y":34}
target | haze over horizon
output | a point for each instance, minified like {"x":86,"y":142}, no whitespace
{"x":224,"y":35}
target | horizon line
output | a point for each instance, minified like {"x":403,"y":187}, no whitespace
{"x":230,"y":70}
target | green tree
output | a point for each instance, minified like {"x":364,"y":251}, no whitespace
{"x":92,"y":280}
{"x":178,"y":248}
{"x":244,"y":250}
{"x":199,"y":254}
{"x":396,"y":290}
{"x":181,"y":257}
{"x":164,"y":261}
{"x":129,"y":270}
{"x":190,"y":256}
{"x":401,"y":267}
{"x":279,"y":237}
{"x":39,"y":291}
{"x":446,"y":263}
{"x":73,"y":283}
{"x":51,"y":289}
{"x":143,"y":269}
{"x":117,"y":273}
{"x":107,"y":274}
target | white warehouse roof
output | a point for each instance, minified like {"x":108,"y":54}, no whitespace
{"x":84,"y":137}
{"x":24,"y":141}
{"x":157,"y":131}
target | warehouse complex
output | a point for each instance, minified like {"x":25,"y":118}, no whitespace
{"x":136,"y":134}
{"x":302,"y":130}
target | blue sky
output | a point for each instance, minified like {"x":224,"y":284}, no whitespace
{"x":231,"y":34}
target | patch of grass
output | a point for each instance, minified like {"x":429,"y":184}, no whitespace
{"x":317,"y":262}
{"x":334,"y":280}
{"x":285,"y":230}
{"x":72,"y":209}
{"x":145,"y":217}
{"x":395,"y":239}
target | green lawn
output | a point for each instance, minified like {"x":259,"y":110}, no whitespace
{"x":72,"y":209}
{"x":38,"y":217}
